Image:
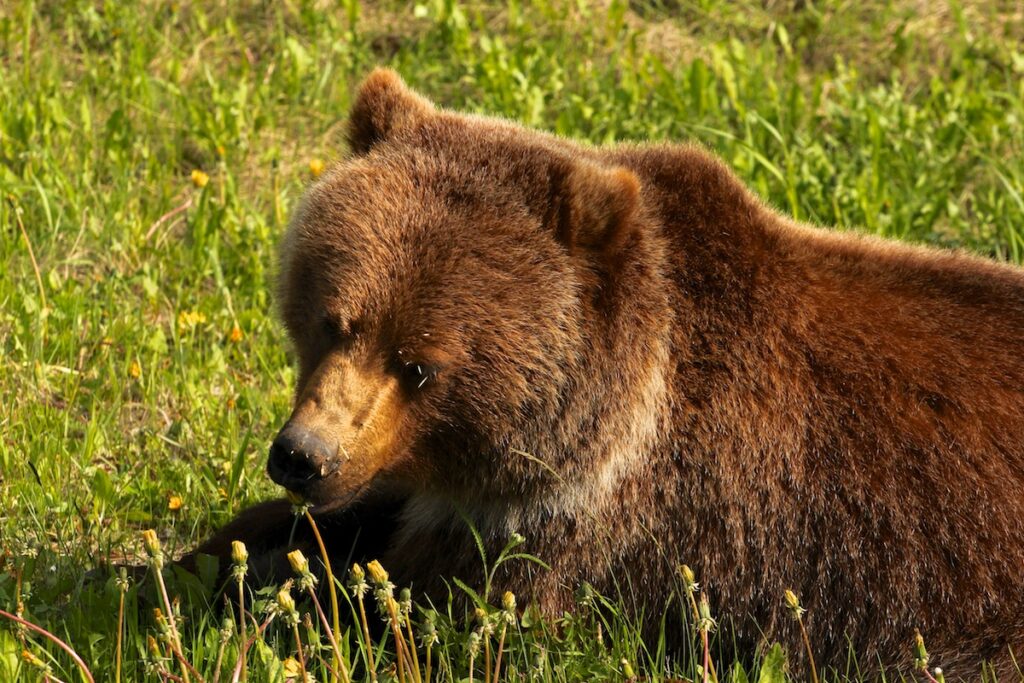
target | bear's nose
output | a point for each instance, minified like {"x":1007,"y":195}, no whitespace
{"x":299,"y":458}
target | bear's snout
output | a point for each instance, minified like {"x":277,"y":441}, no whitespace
{"x":299,"y":458}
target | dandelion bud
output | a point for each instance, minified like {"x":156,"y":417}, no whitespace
{"x":508,"y":601}
{"x":705,"y":622}
{"x":627,"y":668}
{"x":299,"y":563}
{"x":404,"y":602}
{"x":938,"y":675}
{"x":153,"y":647}
{"x":161,"y":622}
{"x":920,"y":653}
{"x":239,"y":553}
{"x":122,"y":581}
{"x":152,"y":544}
{"x":473,"y":645}
{"x":480,"y":615}
{"x":689,"y":578}
{"x":227,"y":628}
{"x":538,"y":661}
{"x":285,"y":605}
{"x":793,"y":603}
{"x":428,"y":631}
{"x":32,"y":659}
{"x":357,"y":581}
{"x":585,"y":595}
{"x":377,"y":573}
{"x":316,"y":167}
{"x":285,"y":600}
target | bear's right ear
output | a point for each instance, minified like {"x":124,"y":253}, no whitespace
{"x":383,"y":106}
{"x":592,"y":207}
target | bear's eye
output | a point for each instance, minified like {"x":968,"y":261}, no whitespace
{"x":415,"y":375}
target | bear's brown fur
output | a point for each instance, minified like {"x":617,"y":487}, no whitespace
{"x":632,"y":361}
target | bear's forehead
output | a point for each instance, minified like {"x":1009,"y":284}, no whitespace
{"x":377,"y":224}
{"x":401,"y":197}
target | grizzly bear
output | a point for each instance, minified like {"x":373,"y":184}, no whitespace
{"x":623,"y":355}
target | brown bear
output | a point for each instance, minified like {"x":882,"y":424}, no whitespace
{"x":623,"y":355}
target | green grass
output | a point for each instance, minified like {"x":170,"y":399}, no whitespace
{"x":122,"y":385}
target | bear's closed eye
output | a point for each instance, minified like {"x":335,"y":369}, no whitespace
{"x":416,"y":375}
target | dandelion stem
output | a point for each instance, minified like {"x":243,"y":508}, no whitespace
{"x":696,"y":615}
{"x":120,"y":637}
{"x":412,"y":650}
{"x":298,"y":645}
{"x":259,"y":632}
{"x":242,"y":627}
{"x":219,"y":660}
{"x":487,"y":657}
{"x":399,"y":641}
{"x":330,"y":636}
{"x":54,"y":639}
{"x":175,"y":638}
{"x":368,"y":644}
{"x":501,"y":648}
{"x":810,"y":653}
{"x":335,"y":623}
{"x":707,"y":654}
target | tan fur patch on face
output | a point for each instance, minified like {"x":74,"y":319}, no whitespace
{"x":359,"y":410}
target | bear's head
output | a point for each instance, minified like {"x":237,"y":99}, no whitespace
{"x":468,"y":301}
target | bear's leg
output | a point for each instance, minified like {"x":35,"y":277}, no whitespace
{"x":270,"y":530}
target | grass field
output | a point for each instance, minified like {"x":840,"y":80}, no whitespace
{"x":142,"y":372}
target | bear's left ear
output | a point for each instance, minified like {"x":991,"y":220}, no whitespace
{"x":596,"y":208}
{"x":383,"y":106}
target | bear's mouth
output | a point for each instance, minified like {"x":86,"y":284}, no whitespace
{"x":321,"y":501}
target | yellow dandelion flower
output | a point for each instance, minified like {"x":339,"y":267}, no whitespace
{"x":32,"y":659}
{"x":231,"y":403}
{"x":291,"y":668}
{"x":174,"y":503}
{"x":316,"y":167}
{"x":235,"y":335}
{"x":239,"y":553}
{"x":151,"y":542}
{"x":377,"y":572}
{"x":298,"y":561}
{"x":188,"y":319}
{"x":285,"y":601}
{"x":135,"y":370}
{"x":199,"y":179}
